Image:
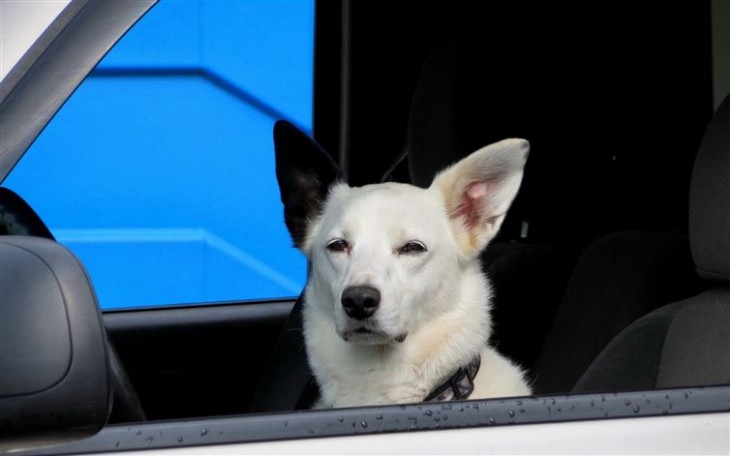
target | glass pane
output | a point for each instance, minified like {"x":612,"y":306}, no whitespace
{"x":159,"y":171}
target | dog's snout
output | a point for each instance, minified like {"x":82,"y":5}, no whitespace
{"x":360,"y":301}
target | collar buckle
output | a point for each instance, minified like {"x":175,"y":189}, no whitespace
{"x":459,"y":386}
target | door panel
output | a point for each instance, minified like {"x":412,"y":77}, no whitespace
{"x":196,"y":361}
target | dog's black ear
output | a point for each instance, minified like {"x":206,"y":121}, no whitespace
{"x":305,"y":172}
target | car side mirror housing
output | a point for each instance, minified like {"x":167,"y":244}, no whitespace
{"x":54,"y":385}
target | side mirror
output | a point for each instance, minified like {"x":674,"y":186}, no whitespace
{"x":54,"y":384}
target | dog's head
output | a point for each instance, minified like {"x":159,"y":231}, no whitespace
{"x":387,"y":256}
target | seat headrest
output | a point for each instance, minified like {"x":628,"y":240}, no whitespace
{"x":459,"y":104}
{"x":709,"y":204}
{"x":54,"y":384}
{"x":431,"y":136}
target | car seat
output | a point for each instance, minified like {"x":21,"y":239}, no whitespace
{"x":618,"y":278}
{"x":20,"y":225}
{"x":686,"y":343}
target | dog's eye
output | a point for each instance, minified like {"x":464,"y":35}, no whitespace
{"x":338,"y":245}
{"x":412,"y":247}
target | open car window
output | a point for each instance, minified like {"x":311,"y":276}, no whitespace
{"x":158,"y":172}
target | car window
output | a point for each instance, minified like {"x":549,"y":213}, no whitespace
{"x":158,"y":172}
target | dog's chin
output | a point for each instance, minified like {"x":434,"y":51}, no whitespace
{"x":366,"y":336}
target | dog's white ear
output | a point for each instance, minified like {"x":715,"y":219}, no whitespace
{"x":478,"y":190}
{"x":305,"y":173}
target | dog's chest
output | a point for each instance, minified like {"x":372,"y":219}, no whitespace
{"x":367,"y":378}
{"x":354,"y":375}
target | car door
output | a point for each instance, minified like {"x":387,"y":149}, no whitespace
{"x":167,"y":195}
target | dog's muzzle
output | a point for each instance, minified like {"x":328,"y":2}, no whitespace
{"x":360,"y":302}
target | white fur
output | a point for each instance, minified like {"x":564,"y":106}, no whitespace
{"x":438,"y":299}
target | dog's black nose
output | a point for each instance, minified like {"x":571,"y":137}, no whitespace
{"x":360,"y":301}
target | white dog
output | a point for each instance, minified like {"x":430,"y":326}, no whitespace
{"x":396,"y":308}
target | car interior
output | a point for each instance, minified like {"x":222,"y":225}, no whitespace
{"x":610,"y":272}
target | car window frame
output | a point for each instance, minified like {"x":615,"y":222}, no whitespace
{"x":362,"y":421}
{"x":54,"y":66}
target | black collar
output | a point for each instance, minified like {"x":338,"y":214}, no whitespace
{"x":459,"y":386}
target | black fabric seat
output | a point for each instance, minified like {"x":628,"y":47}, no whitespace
{"x":19,"y":219}
{"x":618,"y":279}
{"x":686,"y":343}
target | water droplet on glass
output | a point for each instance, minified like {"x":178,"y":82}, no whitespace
{"x":179,"y":439}
{"x":203,"y":432}
{"x":637,"y":409}
{"x":427,"y":413}
{"x":341,"y":419}
{"x":364,"y":424}
{"x":511,"y":413}
{"x":378,"y":417}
